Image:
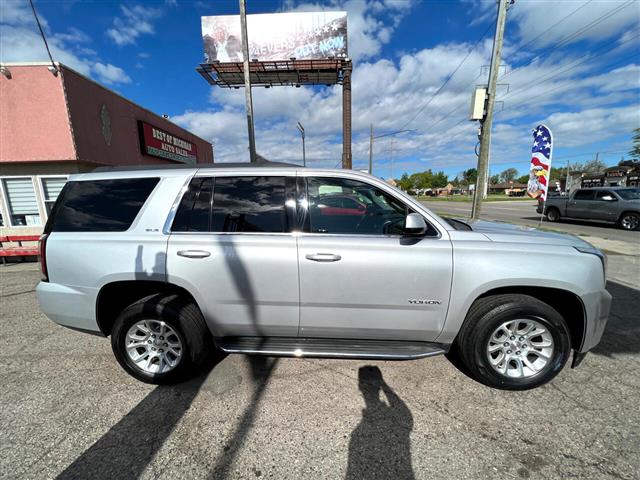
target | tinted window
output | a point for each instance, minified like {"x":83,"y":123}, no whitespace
{"x":629,"y":193}
{"x":100,"y":205}
{"x":183,"y":214}
{"x":605,"y":195}
{"x":363,"y":209}
{"x":249,"y":204}
{"x":584,"y":195}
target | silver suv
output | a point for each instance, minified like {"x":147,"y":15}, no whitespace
{"x":175,"y":264}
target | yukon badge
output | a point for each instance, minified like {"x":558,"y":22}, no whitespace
{"x":417,"y":301}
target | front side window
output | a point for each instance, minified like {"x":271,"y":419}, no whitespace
{"x":345,"y":206}
{"x":100,"y":205}
{"x":22,"y":203}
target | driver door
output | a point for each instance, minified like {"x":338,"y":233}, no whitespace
{"x":360,"y":277}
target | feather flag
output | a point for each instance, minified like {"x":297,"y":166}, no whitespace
{"x":540,"y":162}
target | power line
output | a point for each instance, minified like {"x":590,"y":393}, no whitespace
{"x":576,"y":33}
{"x":44,"y":39}
{"x":444,"y":84}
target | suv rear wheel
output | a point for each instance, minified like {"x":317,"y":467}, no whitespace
{"x":513,"y":342}
{"x":630,"y":221}
{"x":161,"y":339}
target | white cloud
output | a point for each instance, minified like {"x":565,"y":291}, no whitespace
{"x":20,"y":41}
{"x":135,"y":21}
{"x":110,"y":74}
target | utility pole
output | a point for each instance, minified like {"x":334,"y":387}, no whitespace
{"x":304,"y":157}
{"x":487,"y":121}
{"x":247,"y":82}
{"x":391,"y":148}
{"x":346,"y":118}
{"x":371,"y":151}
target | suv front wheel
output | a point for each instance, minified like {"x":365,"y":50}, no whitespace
{"x":161,"y":339}
{"x":513,"y":342}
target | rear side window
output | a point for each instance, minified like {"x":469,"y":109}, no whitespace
{"x":100,"y":205}
{"x":584,"y":195}
{"x":239,"y":204}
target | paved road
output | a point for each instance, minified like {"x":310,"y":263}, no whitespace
{"x":524,"y":213}
{"x":68,"y":411}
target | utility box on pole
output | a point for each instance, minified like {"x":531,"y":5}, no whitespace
{"x":478,"y":99}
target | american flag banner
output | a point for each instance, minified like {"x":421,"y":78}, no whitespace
{"x":540,"y":162}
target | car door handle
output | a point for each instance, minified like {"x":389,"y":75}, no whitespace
{"x":323,"y":257}
{"x":194,"y":253}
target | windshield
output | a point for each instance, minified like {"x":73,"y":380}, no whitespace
{"x":629,"y":193}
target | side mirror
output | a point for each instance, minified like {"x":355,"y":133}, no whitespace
{"x":414,"y":224}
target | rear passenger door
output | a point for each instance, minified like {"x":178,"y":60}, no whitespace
{"x":231,"y":242}
{"x":604,"y":207}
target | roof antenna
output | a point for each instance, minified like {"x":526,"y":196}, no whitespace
{"x":53,"y":69}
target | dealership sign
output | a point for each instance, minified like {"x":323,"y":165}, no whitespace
{"x":160,"y":143}
{"x":276,"y":36}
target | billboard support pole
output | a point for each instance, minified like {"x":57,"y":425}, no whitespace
{"x":247,"y":81}
{"x":346,"y":117}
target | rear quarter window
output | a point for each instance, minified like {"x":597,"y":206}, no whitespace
{"x":100,"y":205}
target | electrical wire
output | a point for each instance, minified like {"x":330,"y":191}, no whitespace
{"x":444,"y":84}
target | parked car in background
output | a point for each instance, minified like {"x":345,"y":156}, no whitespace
{"x":174,"y":264}
{"x":608,"y":204}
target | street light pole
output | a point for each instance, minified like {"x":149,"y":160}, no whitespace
{"x":304,"y":157}
{"x":247,"y":82}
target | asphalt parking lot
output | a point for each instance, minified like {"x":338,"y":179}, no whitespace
{"x":68,"y":411}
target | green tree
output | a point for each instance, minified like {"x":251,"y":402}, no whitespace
{"x":523,"y":179}
{"x":404,"y":182}
{"x":634,"y":153}
{"x":494,"y":179}
{"x":470,"y":176}
{"x":509,"y":174}
{"x":440,"y":180}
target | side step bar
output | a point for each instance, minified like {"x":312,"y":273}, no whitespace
{"x":330,"y":348}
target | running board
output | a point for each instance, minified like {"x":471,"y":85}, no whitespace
{"x":330,"y":348}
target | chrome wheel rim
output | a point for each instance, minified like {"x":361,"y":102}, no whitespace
{"x":153,"y":346}
{"x":630,"y":222}
{"x":520,"y":348}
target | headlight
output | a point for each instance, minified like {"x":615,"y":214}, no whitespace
{"x":598,"y":253}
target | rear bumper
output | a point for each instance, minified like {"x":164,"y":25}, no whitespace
{"x":73,"y":307}
{"x":597,"y":306}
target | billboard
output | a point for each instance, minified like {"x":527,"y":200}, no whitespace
{"x":276,"y":36}
{"x":160,"y":143}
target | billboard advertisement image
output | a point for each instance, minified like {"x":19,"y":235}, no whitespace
{"x":276,"y":36}
{"x":540,"y":162}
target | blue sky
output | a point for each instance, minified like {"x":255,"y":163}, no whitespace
{"x":581,"y":77}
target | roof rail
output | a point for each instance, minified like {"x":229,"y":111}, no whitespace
{"x":265,"y":164}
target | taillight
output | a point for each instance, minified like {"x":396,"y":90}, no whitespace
{"x":42,"y":250}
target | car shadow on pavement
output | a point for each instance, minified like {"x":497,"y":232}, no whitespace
{"x":380,"y":446}
{"x":131,"y":444}
{"x":622,"y":333}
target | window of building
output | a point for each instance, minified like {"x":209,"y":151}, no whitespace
{"x":21,"y":202}
{"x":249,"y":204}
{"x":101,"y":205}
{"x":51,"y":188}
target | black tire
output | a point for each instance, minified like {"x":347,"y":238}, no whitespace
{"x":486,"y":315}
{"x":629,"y":221}
{"x":553,"y":214}
{"x":183,"y":317}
